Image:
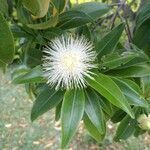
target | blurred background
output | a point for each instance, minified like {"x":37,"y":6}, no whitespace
{"x":17,"y":132}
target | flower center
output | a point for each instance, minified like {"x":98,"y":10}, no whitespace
{"x":70,"y":61}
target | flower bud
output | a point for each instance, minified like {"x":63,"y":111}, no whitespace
{"x":144,"y":122}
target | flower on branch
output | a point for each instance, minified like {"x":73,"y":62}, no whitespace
{"x":67,"y":61}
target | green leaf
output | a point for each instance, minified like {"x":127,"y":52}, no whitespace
{"x":107,"y":107}
{"x":44,"y":25}
{"x":82,"y":14}
{"x":94,"y":111}
{"x":4,"y":7}
{"x":107,"y":44}
{"x":58,"y":111}
{"x":132,"y":71}
{"x":125,"y":129}
{"x":115,"y":60}
{"x":46,"y":100}
{"x":59,"y":5}
{"x":94,"y":132}
{"x":71,"y":114}
{"x":142,"y":35}
{"x":143,"y":15}
{"x":52,"y":33}
{"x":22,"y":15}
{"x":18,"y":32}
{"x":140,"y":57}
{"x":7,"y":49}
{"x":145,"y":84}
{"x":32,"y":76}
{"x":127,"y":126}
{"x":108,"y":88}
{"x":38,"y":8}
{"x":19,"y":71}
{"x":92,"y":9}
{"x":72,"y":19}
{"x":118,"y":116}
{"x":33,"y":57}
{"x":85,"y":30}
{"x":133,"y":96}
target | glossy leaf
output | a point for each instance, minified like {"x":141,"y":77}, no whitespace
{"x":6,"y":43}
{"x":71,"y":114}
{"x":108,"y":88}
{"x":133,"y":96}
{"x":107,"y":44}
{"x":93,"y":131}
{"x":46,"y":100}
{"x":94,"y":110}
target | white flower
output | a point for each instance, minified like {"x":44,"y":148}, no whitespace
{"x":67,"y":61}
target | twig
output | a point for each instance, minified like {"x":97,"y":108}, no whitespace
{"x":127,"y":24}
{"x":120,"y":5}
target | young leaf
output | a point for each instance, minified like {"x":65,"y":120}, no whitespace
{"x":6,"y":42}
{"x":108,"y":43}
{"x":71,"y":114}
{"x":46,"y":100}
{"x":108,"y":88}
{"x":94,"y":111}
{"x":94,"y":132}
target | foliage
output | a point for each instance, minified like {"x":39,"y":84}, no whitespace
{"x":119,"y":88}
